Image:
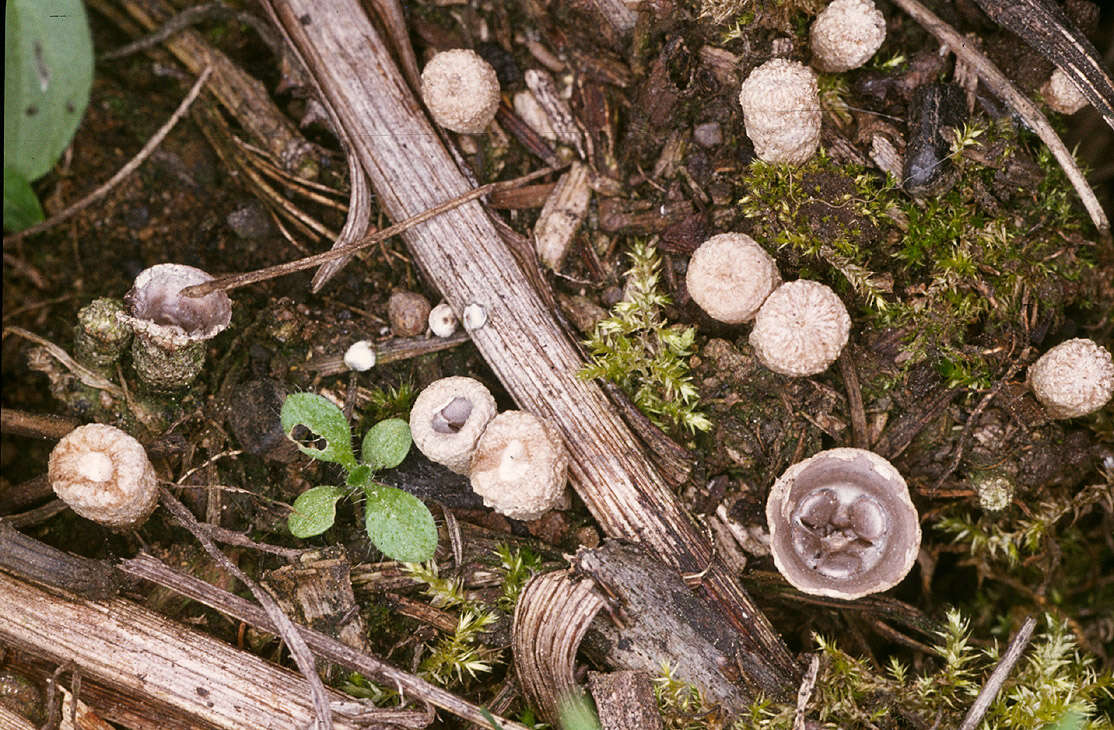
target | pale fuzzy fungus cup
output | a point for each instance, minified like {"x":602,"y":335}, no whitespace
{"x":520,"y":466}
{"x":170,"y":330}
{"x":1074,"y":378}
{"x":842,"y":524}
{"x":104,"y":475}
{"x":781,"y":110}
{"x":447,"y":419}
{"x":800,"y":329}
{"x":442,"y":320}
{"x":729,"y":276}
{"x":846,"y":34}
{"x":461,"y":90}
{"x":1062,"y":95}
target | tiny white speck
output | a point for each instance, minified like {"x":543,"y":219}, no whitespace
{"x":360,"y":356}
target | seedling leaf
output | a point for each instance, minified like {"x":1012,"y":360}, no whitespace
{"x":324,"y":419}
{"x":399,"y":524}
{"x":21,"y":206}
{"x":386,"y":444}
{"x":315,"y":510}
{"x":48,"y":72}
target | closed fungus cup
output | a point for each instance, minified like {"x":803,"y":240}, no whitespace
{"x":1061,"y":94}
{"x":800,"y":329}
{"x":846,"y":34}
{"x":781,"y":110}
{"x":461,"y":90}
{"x":520,"y":466}
{"x":168,"y":351}
{"x":104,"y":475}
{"x":729,"y":276}
{"x":842,"y":524}
{"x":448,"y":418}
{"x":1074,"y":378}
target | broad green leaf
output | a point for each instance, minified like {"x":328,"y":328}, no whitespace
{"x":386,"y":444}
{"x":399,"y":524}
{"x":48,"y":72}
{"x":315,"y":510}
{"x":21,"y":206}
{"x":324,"y":419}
{"x":360,"y":477}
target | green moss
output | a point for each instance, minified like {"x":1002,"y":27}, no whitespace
{"x":954,"y":272}
{"x":637,"y":350}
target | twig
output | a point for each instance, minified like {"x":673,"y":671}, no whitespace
{"x":998,"y":677}
{"x":84,"y":374}
{"x":804,"y":694}
{"x":1004,"y":89}
{"x":285,"y":627}
{"x":854,"y":399}
{"x":124,"y":171}
{"x":149,"y":568}
{"x":226,"y":283}
{"x":192,"y":16}
{"x":35,"y":425}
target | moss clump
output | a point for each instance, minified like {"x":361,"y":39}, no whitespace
{"x":638,"y":351}
{"x":958,"y":274}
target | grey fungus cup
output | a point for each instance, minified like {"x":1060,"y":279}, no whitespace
{"x":842,"y":524}
{"x":448,"y":418}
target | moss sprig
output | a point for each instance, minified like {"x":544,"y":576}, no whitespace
{"x":636,"y":349}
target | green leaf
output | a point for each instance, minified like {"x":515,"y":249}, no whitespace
{"x":48,"y":72}
{"x":324,"y":419}
{"x":399,"y":524}
{"x":21,"y":206}
{"x":315,"y":510}
{"x":386,"y":444}
{"x":360,"y":476}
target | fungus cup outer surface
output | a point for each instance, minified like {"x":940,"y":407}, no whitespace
{"x":461,"y":90}
{"x":800,"y":329}
{"x":158,"y":311}
{"x":730,"y":275}
{"x":1062,"y":95}
{"x":854,"y":472}
{"x":520,"y":466}
{"x":452,"y":449}
{"x":104,"y":475}
{"x":846,"y":34}
{"x":781,"y":111}
{"x":1073,"y":379}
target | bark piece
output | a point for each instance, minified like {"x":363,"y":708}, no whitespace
{"x":461,"y":253}
{"x":661,"y":621}
{"x":318,"y":593}
{"x":624,"y":700}
{"x":552,"y":614}
{"x":183,"y":676}
{"x":561,"y":216}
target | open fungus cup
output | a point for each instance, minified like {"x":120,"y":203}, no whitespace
{"x":842,"y":524}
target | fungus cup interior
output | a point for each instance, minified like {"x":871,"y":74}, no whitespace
{"x":843,"y":526}
{"x":156,"y":297}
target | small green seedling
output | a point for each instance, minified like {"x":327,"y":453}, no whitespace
{"x":48,"y":72}
{"x":396,"y":522}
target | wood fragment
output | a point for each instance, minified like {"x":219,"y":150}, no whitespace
{"x":14,"y":422}
{"x":463,"y":255}
{"x":148,"y":568}
{"x":661,"y":622}
{"x":561,"y":216}
{"x":36,"y":561}
{"x":544,"y":89}
{"x":625,"y":700}
{"x":168,"y":670}
{"x":553,"y":612}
